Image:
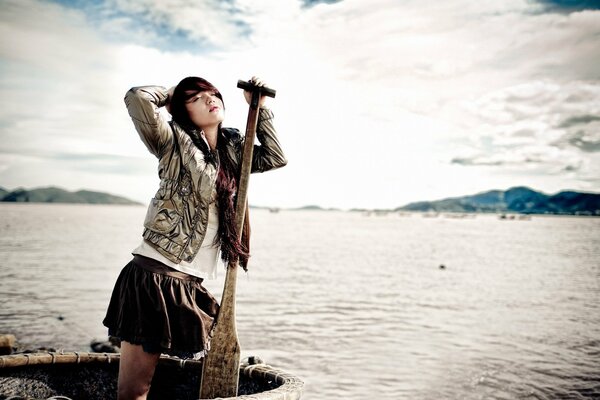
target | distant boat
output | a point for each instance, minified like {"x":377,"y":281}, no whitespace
{"x":520,"y":217}
{"x":377,"y":213}
{"x":458,"y":215}
{"x":274,"y":210}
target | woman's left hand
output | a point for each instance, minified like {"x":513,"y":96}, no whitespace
{"x":248,"y":95}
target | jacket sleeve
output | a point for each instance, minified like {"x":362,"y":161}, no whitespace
{"x":268,"y":155}
{"x":154,"y":130}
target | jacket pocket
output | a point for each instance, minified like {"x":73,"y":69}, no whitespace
{"x":184,"y":188}
{"x":162,"y":216}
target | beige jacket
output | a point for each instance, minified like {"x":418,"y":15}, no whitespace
{"x":178,"y":214}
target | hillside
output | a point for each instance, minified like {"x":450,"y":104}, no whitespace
{"x":58,"y":195}
{"x":517,"y":199}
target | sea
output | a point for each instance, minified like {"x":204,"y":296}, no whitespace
{"x":358,"y":305}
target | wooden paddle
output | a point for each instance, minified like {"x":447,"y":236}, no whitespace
{"x":220,"y":371}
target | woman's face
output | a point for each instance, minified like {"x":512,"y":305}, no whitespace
{"x":205,"y":109}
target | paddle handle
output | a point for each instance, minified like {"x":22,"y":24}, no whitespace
{"x":251,"y":123}
{"x":249,"y":86}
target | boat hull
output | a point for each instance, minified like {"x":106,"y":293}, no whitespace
{"x":82,"y":375}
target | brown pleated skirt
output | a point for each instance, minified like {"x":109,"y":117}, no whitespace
{"x":164,"y":310}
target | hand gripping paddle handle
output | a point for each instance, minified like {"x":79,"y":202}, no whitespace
{"x":256,"y":91}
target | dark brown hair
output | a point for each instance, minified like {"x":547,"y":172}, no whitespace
{"x":184,"y":91}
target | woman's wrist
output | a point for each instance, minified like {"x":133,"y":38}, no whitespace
{"x":169,"y":98}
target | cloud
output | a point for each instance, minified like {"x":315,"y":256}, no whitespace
{"x":569,"y":5}
{"x":475,"y":161}
{"x":578,"y":119}
{"x":534,"y":125}
{"x":311,"y":3}
{"x":181,"y":25}
{"x":404,"y":100}
{"x":56,"y":88}
{"x":586,"y":141}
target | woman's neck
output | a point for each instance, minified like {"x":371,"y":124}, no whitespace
{"x":210,"y":133}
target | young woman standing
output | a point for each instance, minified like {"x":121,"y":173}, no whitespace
{"x":158,"y":304}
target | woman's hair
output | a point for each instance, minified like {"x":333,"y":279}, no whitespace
{"x":184,"y":91}
{"x":232,"y":249}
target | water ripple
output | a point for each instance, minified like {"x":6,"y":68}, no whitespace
{"x":356,"y":306}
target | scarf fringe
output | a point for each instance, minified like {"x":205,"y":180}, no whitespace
{"x":232,"y":248}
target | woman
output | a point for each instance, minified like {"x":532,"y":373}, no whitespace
{"x":158,"y":304}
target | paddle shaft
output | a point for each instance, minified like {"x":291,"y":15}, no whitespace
{"x":220,"y":371}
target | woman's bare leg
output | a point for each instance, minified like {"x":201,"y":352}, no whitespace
{"x":136,"y":369}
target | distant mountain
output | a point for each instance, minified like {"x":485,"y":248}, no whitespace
{"x":57,"y":195}
{"x":517,"y":200}
{"x":310,"y":207}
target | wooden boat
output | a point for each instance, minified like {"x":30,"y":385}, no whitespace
{"x":82,"y":375}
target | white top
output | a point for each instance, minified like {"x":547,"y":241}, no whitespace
{"x":204,"y":265}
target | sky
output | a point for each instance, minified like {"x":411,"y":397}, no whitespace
{"x":379,"y":103}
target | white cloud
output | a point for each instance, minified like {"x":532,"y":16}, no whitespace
{"x":374,"y":99}
{"x":545,"y":127}
{"x":211,"y":21}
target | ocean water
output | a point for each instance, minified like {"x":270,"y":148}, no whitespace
{"x":355,"y":305}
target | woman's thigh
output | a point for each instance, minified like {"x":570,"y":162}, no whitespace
{"x":136,"y":369}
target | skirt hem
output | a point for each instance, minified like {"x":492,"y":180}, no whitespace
{"x":163,"y":312}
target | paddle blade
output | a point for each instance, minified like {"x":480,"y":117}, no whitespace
{"x":220,"y":372}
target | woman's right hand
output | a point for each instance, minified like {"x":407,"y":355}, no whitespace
{"x":248,"y":95}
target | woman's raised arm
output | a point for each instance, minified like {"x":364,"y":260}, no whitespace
{"x":269,"y":154}
{"x":143,"y":105}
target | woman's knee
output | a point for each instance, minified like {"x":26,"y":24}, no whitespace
{"x":133,"y":391}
